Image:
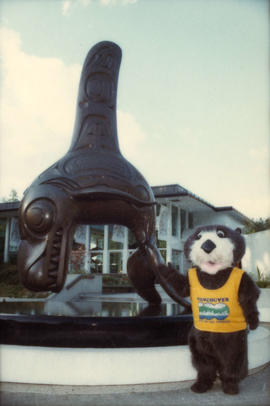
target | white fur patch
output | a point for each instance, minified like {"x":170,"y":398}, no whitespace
{"x":220,"y":258}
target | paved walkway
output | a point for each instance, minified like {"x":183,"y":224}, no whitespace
{"x":254,"y":391}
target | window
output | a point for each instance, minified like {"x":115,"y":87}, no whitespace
{"x":163,"y":222}
{"x":161,"y":243}
{"x":116,"y":262}
{"x":164,"y":254}
{"x":183,"y":220}
{"x":97,"y":237}
{"x":157,"y":209}
{"x":132,"y":243}
{"x":2,"y":238}
{"x":116,"y":237}
{"x":77,"y":259}
{"x":174,"y":221}
{"x":87,"y":249}
{"x":14,"y":237}
{"x":176,"y":259}
{"x":96,"y":262}
{"x":190,"y":220}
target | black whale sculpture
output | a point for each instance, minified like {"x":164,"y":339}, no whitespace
{"x":92,"y":184}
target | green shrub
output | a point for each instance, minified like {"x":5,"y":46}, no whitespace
{"x":116,"y":280}
{"x":9,"y":274}
{"x":262,"y":282}
{"x":10,"y":285}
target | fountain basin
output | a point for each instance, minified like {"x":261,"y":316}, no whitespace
{"x":93,"y":324}
{"x":137,"y":349}
{"x":111,"y":366}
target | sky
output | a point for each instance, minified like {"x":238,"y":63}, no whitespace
{"x":193,"y":92}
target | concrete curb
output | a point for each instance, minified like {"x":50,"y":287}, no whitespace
{"x":254,"y":391}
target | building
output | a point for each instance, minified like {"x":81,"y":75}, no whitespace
{"x":105,"y":249}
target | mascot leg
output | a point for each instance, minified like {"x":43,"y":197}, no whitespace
{"x":233,"y":362}
{"x":204,"y":362}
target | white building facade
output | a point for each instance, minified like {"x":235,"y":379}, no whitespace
{"x":106,"y":248}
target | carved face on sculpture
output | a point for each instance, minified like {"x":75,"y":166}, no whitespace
{"x":46,"y":233}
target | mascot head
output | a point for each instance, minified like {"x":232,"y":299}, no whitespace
{"x":216,"y":247}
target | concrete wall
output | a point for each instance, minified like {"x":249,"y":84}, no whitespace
{"x":257,"y":253}
{"x":80,"y":284}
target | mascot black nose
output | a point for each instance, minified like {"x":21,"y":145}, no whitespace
{"x":208,"y":246}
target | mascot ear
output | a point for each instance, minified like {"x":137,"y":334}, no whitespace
{"x":238,"y":230}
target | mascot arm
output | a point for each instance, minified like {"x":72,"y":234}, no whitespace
{"x":172,"y":281}
{"x":248,"y":296}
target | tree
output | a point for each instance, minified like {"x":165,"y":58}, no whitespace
{"x":253,"y":226}
{"x":13,"y":196}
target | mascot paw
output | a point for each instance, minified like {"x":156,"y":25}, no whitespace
{"x":253,"y":323}
{"x":201,"y":387}
{"x":231,"y":388}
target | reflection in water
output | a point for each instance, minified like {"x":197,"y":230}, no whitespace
{"x":90,"y":308}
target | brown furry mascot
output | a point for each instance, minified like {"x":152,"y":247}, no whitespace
{"x":223,"y":301}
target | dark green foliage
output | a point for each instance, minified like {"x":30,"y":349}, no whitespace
{"x":253,"y":226}
{"x":116,"y":280}
{"x":263,"y":284}
{"x":261,"y":281}
{"x":10,"y":285}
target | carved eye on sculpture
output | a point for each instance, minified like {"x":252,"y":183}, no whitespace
{"x":39,"y":216}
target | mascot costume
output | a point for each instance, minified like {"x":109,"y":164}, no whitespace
{"x":223,"y":299}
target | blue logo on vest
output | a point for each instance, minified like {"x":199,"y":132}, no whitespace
{"x":210,"y":311}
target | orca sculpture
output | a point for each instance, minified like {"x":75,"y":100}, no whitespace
{"x":91,"y":184}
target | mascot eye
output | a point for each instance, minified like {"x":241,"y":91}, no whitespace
{"x":39,"y":216}
{"x":221,"y":234}
{"x":198,"y":236}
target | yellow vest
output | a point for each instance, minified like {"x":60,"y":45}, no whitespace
{"x":217,"y":310}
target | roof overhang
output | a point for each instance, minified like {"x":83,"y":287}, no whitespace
{"x":189,"y":201}
{"x":174,"y":193}
{"x":9,"y":209}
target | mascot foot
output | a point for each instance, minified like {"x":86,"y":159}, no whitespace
{"x":231,"y":388}
{"x":201,"y":387}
